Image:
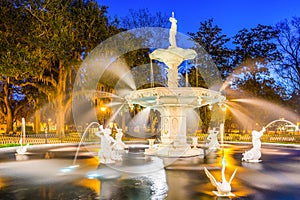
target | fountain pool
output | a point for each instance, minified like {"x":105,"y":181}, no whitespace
{"x":40,"y":176}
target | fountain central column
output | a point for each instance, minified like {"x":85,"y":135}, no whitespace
{"x":173,"y":72}
{"x":173,"y":125}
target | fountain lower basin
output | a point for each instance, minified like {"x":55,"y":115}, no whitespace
{"x":37,"y":178}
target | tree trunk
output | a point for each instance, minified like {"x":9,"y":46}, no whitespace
{"x":9,"y":121}
{"x":60,"y":122}
{"x":61,"y":100}
{"x":37,"y":122}
{"x":9,"y":112}
{"x":205,"y":116}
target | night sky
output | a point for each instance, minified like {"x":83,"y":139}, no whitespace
{"x":230,"y":15}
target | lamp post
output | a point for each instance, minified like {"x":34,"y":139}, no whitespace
{"x":47,"y":129}
{"x":23,"y":131}
{"x":46,"y":133}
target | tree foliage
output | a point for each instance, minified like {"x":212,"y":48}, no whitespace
{"x":213,"y":52}
{"x":135,"y":21}
{"x":210,"y":37}
{"x":46,"y":42}
{"x":289,"y":45}
{"x":254,"y":52}
{"x":256,"y":44}
{"x":144,"y":18}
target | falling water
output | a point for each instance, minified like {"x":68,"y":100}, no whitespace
{"x":120,"y":74}
{"x":81,"y":140}
{"x":261,"y":112}
{"x":192,"y":121}
{"x":272,"y":108}
{"x":282,"y":120}
{"x":140,"y":122}
{"x":240,"y":114}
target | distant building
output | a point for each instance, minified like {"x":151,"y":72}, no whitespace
{"x":102,"y":101}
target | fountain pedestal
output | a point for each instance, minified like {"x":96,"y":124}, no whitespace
{"x":173,"y":132}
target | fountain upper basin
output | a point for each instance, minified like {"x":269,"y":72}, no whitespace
{"x":190,"y":96}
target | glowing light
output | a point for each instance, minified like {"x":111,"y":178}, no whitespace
{"x":69,"y":169}
{"x":103,"y":109}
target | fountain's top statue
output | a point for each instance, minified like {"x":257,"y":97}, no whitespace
{"x":173,"y":56}
{"x":173,"y":31}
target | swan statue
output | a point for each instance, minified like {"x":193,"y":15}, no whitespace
{"x":223,"y":187}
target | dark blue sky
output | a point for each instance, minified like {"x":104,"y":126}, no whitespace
{"x":230,"y":15}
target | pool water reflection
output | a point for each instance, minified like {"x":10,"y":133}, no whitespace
{"x":39,"y":177}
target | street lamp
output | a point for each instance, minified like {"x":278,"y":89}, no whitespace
{"x":47,"y":129}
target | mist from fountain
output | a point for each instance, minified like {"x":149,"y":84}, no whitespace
{"x":248,"y":110}
{"x":81,"y":140}
{"x":272,"y":108}
{"x":141,"y":119}
{"x":244,"y":110}
{"x":193,"y":120}
{"x":284,"y":121}
{"x":242,"y":117}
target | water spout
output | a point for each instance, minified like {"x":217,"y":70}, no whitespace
{"x":82,"y":137}
{"x":282,"y":120}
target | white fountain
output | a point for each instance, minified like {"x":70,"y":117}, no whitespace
{"x":254,"y":154}
{"x":21,"y":150}
{"x":173,"y":102}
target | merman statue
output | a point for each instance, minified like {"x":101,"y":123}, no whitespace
{"x":213,"y":143}
{"x":254,"y":154}
{"x":106,"y":151}
{"x":118,"y":147}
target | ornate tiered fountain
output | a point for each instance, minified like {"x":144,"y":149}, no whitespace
{"x":173,"y":101}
